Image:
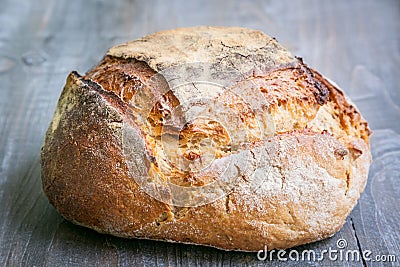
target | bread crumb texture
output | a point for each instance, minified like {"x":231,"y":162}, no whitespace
{"x":314,"y":160}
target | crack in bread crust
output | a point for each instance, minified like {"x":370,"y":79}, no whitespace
{"x":292,"y":95}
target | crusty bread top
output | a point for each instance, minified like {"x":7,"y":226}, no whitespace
{"x":293,"y":92}
{"x":294,"y":97}
{"x":243,"y":49}
{"x":254,"y":54}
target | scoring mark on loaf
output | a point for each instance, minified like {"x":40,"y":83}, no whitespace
{"x":291,"y":96}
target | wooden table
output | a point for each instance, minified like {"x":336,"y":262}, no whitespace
{"x":355,"y":43}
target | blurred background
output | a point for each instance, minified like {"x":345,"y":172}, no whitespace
{"x":354,"y":43}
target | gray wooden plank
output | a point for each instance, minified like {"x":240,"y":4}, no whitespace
{"x":354,"y":43}
{"x":376,"y":219}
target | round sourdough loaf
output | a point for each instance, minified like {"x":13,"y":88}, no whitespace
{"x":139,"y":145}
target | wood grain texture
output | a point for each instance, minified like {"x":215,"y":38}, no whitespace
{"x":355,"y":43}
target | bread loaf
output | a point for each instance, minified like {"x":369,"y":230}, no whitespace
{"x":207,"y":135}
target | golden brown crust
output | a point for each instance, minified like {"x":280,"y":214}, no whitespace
{"x":302,"y":194}
{"x":345,"y":112}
